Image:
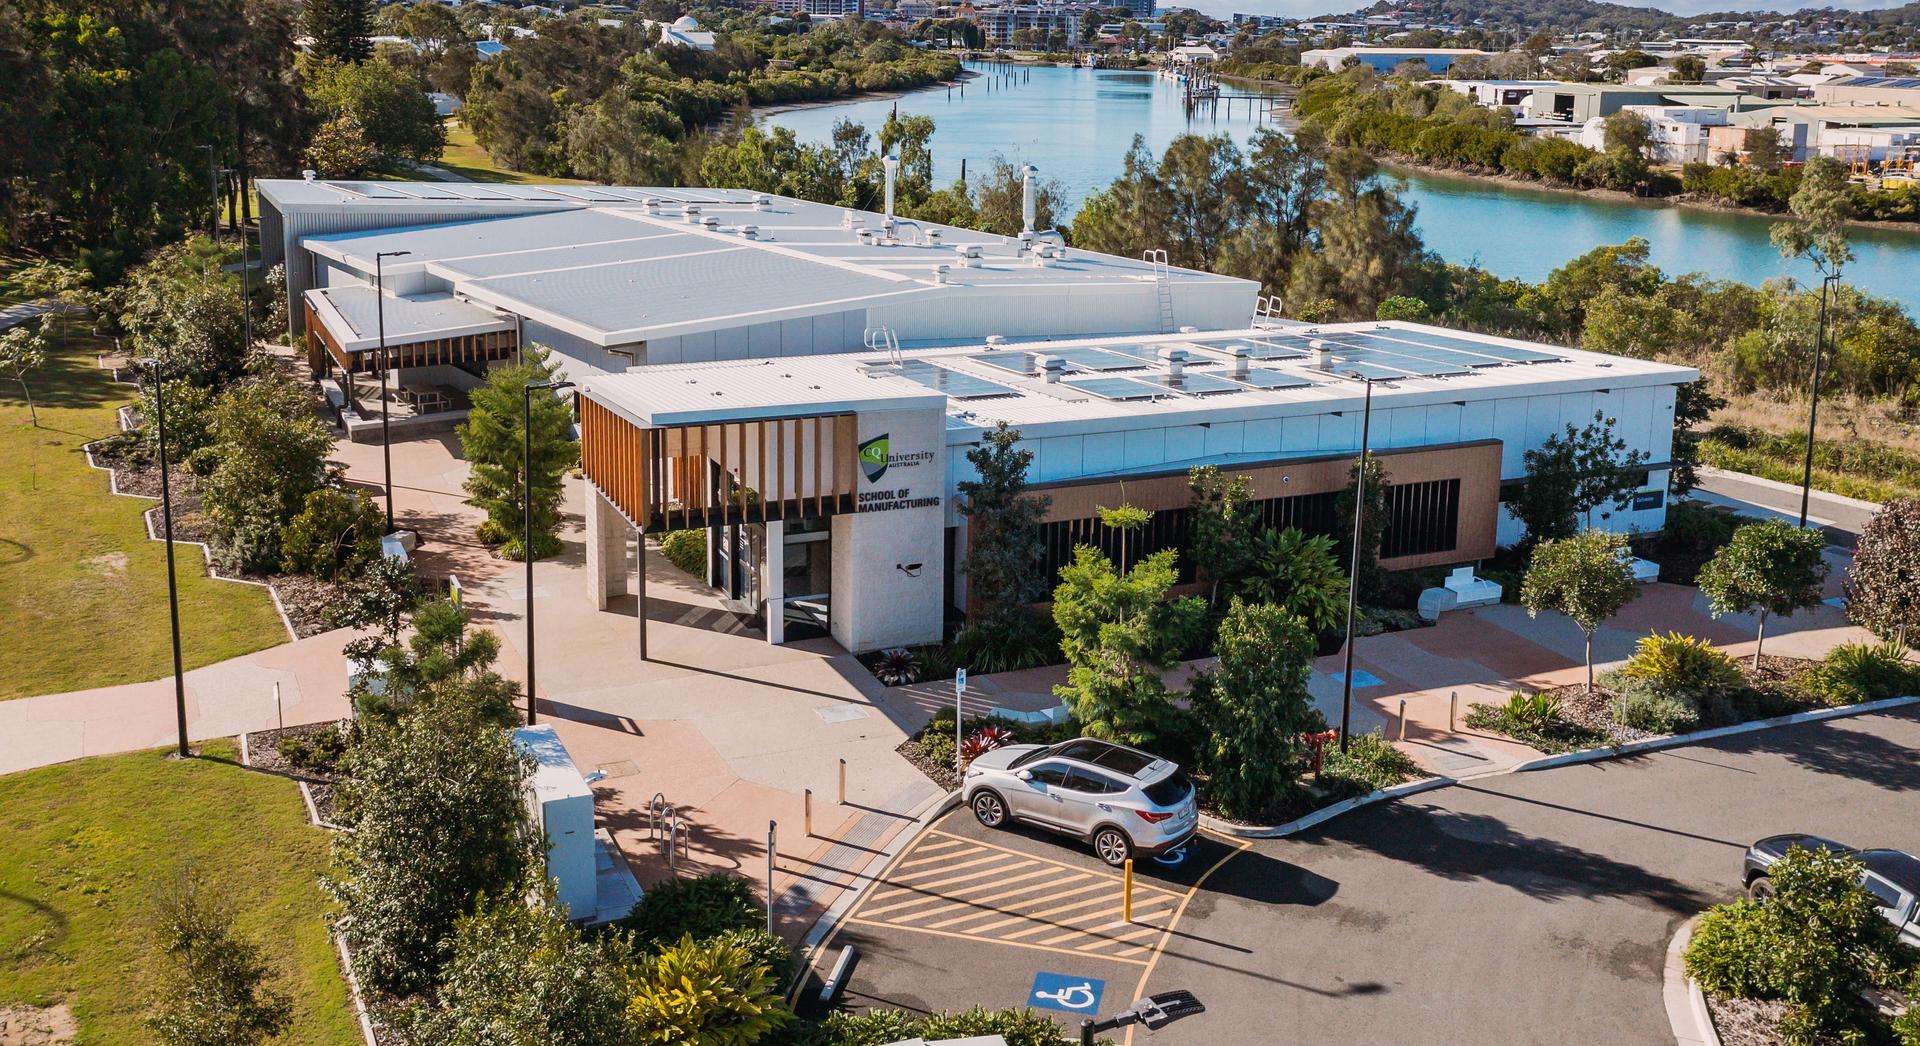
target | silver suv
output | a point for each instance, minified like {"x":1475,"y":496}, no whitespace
{"x":1124,"y":801}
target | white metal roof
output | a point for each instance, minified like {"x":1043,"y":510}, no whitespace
{"x":695,"y":392}
{"x":351,"y":315}
{"x":615,"y":265}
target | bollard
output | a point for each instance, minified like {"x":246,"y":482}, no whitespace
{"x":1403,"y":720}
{"x":1453,"y":711}
{"x":771,"y":826}
{"x":279,"y":714}
{"x":806,"y":809}
{"x":1126,"y":891}
{"x":843,"y":782}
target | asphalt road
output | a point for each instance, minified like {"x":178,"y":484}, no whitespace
{"x":1526,"y":908}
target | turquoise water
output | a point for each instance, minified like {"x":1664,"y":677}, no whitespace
{"x":1076,"y":124}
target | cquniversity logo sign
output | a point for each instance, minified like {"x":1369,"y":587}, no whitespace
{"x":873,"y":456}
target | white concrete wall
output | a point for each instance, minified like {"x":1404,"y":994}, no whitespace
{"x":805,"y":336}
{"x":877,"y":604}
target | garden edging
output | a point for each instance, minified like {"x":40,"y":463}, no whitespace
{"x":1687,"y":1011}
{"x":1325,"y":813}
{"x":1654,"y":744}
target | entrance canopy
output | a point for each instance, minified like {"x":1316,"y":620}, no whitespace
{"x":344,"y":327}
{"x":741,"y":442}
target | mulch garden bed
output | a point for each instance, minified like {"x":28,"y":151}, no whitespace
{"x":1768,"y":695}
{"x":1747,"y":1022}
{"x":263,"y":752}
{"x":940,"y":772}
{"x":305,"y":599}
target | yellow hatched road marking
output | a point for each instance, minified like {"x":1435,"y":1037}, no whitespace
{"x":916,"y":879}
{"x":1138,"y":886}
{"x":990,"y":940}
{"x":985,"y":906}
{"x":925,"y":891}
{"x":1107,"y":939}
{"x":1029,"y":916}
{"x":932,"y":888}
{"x":948,"y":864}
{"x":1099,"y":931}
{"x":1043,"y":926}
{"x":943,"y":848}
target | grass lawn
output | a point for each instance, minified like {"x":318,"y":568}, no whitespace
{"x":86,"y":845}
{"x":465,"y":158}
{"x":83,"y":593}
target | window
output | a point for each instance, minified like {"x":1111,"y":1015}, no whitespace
{"x":1085,"y":749}
{"x":1169,"y":790}
{"x":1053,"y":775}
{"x":1885,"y":894}
{"x":1093,"y":784}
{"x":1422,"y":518}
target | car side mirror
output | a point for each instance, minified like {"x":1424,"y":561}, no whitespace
{"x":1024,"y":775}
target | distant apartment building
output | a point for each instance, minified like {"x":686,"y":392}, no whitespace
{"x":821,"y":8}
{"x":998,"y":24}
{"x":915,"y":10}
{"x":1387,"y":59}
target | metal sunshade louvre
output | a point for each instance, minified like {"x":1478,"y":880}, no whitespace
{"x":941,"y":379}
{"x":1444,"y":341}
{"x":1268,"y":378}
{"x":1119,"y":389}
{"x":1191,"y":384}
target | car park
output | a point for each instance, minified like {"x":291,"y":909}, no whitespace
{"x":1123,"y":801}
{"x":1891,"y":876}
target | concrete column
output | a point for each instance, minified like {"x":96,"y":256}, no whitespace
{"x":606,"y":550}
{"x":773,"y":582}
{"x":888,"y":555}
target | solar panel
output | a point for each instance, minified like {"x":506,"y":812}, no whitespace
{"x":1191,"y":384}
{"x":1499,"y":352}
{"x":372,"y":190}
{"x":940,"y":379}
{"x":1263,"y":349}
{"x":1097,"y":359}
{"x":1369,"y":370}
{"x":1117,"y":388}
{"x":1406,"y":365}
{"x":475,"y":191}
{"x":1148,"y":356}
{"x":1268,"y":378}
{"x":430,"y":192}
{"x":1017,"y":362}
{"x":1409,"y":350}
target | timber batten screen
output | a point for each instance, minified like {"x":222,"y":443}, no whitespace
{"x":679,"y":477}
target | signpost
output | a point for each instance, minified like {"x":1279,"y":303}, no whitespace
{"x":959,"y":713}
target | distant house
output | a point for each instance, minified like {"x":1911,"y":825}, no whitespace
{"x":1582,"y":102}
{"x":1387,"y":59}
{"x":685,"y":32}
{"x":444,"y":104}
{"x":1192,"y":56}
{"x":1495,"y":94}
{"x":1808,"y":129}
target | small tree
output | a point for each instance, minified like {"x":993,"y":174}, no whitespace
{"x":1004,"y":545}
{"x":1298,"y":574}
{"x":519,"y":972}
{"x":1128,"y":520}
{"x":22,"y":351}
{"x":335,"y":537}
{"x":1586,"y":577}
{"x":1119,"y":633}
{"x":492,"y":436}
{"x":1883,"y":585}
{"x":272,"y":452}
{"x":1770,"y":567}
{"x":1253,"y":708}
{"x":444,"y":663}
{"x":1693,"y":404}
{"x":1223,"y":521}
{"x":381,"y":598}
{"x":439,"y":819}
{"x":1572,"y":474}
{"x":215,"y":989}
{"x":1373,"y":525}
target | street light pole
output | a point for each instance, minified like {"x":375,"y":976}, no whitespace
{"x":1813,"y":393}
{"x":526,"y":512}
{"x":1353,"y":562}
{"x":380,"y":320}
{"x":213,"y":186}
{"x":166,"y":529}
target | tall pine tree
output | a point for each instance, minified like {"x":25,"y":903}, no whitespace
{"x":491,"y":438}
{"x":341,"y":30}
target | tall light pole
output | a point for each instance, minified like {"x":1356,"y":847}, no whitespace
{"x":166,"y":529}
{"x":526,"y":507}
{"x":380,"y":314}
{"x":213,"y":185}
{"x":1813,"y":391}
{"x":1353,"y":562}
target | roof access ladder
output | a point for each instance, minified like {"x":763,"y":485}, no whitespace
{"x":1162,"y":284}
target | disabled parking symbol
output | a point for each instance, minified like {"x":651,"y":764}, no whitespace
{"x":1057,"y":991}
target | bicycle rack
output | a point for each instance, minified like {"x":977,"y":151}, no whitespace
{"x":677,"y":842}
{"x":656,"y":807}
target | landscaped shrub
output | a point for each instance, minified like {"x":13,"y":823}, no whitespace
{"x":938,"y":745}
{"x":703,"y":907}
{"x":271,"y":452}
{"x":706,"y":992}
{"x":1009,"y":648}
{"x":767,"y":949}
{"x":1856,"y":672}
{"x":1816,"y":943}
{"x":335,"y":536}
{"x":877,"y":1027}
{"x":1534,"y":720}
{"x":318,"y":752}
{"x":896,"y":667}
{"x":1683,"y":664}
{"x":1883,"y":585}
{"x":1655,"y":710}
{"x":686,"y":549}
{"x":985,"y":740}
{"x":1370,"y":760}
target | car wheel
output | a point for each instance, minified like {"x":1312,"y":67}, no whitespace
{"x":1112,"y":846}
{"x":1760,"y":888}
{"x":989,"y":809}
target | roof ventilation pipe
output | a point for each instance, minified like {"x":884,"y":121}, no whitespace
{"x":969,"y":254}
{"x":892,"y":166}
{"x":1029,"y":207}
{"x":1052,"y":368}
{"x":1176,"y":361}
{"x":996,"y":339}
{"x":763,"y":203}
{"x":1241,"y":354}
{"x":940,"y":273}
{"x":691,"y":214}
{"x":1322,"y":354}
{"x":751,"y":232}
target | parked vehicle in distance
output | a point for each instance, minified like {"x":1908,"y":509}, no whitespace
{"x":1891,"y":876}
{"x":1123,"y":801}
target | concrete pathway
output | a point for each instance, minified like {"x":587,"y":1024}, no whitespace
{"x":1843,"y":518}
